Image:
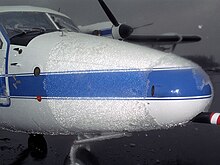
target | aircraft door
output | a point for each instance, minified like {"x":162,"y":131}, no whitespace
{"x":4,"y":51}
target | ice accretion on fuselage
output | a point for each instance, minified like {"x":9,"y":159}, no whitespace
{"x":90,"y":84}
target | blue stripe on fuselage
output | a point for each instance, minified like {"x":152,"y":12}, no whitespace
{"x":114,"y":84}
{"x":106,"y":32}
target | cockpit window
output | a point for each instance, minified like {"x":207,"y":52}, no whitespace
{"x":17,"y":22}
{"x":64,"y":23}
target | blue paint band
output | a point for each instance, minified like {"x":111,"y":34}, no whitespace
{"x":119,"y":85}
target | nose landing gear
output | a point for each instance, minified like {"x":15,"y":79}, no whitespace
{"x":79,"y":153}
{"x":80,"y":150}
{"x":80,"y":156}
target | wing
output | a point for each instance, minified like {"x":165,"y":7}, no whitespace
{"x":163,"y":39}
{"x":160,"y":41}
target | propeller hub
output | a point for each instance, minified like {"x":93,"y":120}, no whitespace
{"x":125,"y":31}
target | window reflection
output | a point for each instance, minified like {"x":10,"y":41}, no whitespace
{"x":16,"y":22}
{"x":64,"y":23}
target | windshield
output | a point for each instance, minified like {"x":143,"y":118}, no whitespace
{"x":64,"y":23}
{"x":15,"y":22}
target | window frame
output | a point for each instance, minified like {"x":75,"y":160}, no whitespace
{"x":1,"y":43}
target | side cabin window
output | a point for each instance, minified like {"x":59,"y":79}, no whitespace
{"x":1,"y":43}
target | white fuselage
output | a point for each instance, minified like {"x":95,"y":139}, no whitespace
{"x":94,"y":84}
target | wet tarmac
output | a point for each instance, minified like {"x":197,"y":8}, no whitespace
{"x":192,"y":144}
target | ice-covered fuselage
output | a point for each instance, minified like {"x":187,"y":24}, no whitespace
{"x":94,"y":84}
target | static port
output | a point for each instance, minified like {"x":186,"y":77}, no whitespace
{"x":36,"y":71}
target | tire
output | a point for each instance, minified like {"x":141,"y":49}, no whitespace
{"x":37,"y":146}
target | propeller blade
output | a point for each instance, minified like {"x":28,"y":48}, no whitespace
{"x":109,"y":13}
{"x":148,"y":24}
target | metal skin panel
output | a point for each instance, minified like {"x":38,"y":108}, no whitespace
{"x":113,"y":77}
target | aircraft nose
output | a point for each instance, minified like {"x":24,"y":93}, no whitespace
{"x":179,"y":95}
{"x":203,"y":83}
